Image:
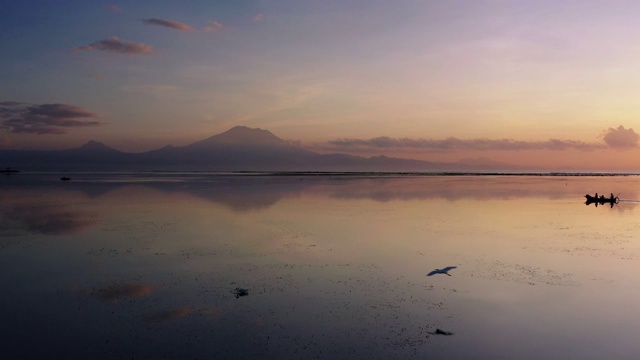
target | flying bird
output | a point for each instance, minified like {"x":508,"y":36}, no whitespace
{"x":442,"y":271}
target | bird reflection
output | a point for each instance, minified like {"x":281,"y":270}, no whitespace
{"x":441,"y":332}
{"x":442,"y":271}
{"x":238,"y":292}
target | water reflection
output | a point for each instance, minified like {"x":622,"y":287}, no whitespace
{"x":42,"y":212}
{"x":248,"y":193}
{"x":116,"y":292}
{"x":150,"y":267}
{"x":47,"y":219}
{"x":169,"y":314}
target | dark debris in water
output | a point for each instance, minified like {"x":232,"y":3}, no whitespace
{"x":238,"y":292}
{"x":441,"y":332}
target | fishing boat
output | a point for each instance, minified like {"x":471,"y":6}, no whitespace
{"x":601,"y":199}
{"x":65,"y":178}
{"x":9,"y":171}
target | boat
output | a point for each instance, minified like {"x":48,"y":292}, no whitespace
{"x":8,"y":171}
{"x":612,"y":200}
{"x":65,"y":178}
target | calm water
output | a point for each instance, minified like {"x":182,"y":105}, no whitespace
{"x":144,"y":266}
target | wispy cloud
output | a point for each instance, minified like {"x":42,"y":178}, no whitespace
{"x":213,"y":26}
{"x":621,"y":137}
{"x":45,"y":118}
{"x":480,"y":144}
{"x":172,"y":24}
{"x":115,"y":45}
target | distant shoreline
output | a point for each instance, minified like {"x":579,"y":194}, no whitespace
{"x":347,"y":173}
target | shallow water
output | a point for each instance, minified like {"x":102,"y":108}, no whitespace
{"x":145,"y":266}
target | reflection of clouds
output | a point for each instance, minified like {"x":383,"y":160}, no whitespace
{"x":47,"y":219}
{"x":213,"y":313}
{"x":116,"y":292}
{"x":169,"y":314}
{"x":257,"y":193}
{"x":184,"y":311}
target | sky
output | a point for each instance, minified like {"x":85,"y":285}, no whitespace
{"x":547,"y":84}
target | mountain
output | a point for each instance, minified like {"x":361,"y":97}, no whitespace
{"x":238,"y":149}
{"x":94,"y":146}
{"x":243,"y":136}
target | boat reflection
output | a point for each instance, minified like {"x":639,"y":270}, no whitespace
{"x":612,"y":200}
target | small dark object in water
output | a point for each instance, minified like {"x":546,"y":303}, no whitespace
{"x":442,"y":332}
{"x":64,"y":178}
{"x":9,"y":171}
{"x":442,"y":271}
{"x":601,"y":200}
{"x":240,"y":292}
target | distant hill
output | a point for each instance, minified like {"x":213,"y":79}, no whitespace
{"x":238,"y":149}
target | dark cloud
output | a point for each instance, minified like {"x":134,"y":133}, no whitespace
{"x":175,"y":25}
{"x":5,"y":142}
{"x":115,"y":45}
{"x":45,"y":118}
{"x":453,"y":143}
{"x":621,"y":137}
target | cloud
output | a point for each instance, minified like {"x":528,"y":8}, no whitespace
{"x":453,"y":143}
{"x":621,"y":137}
{"x":5,"y":142}
{"x":115,"y":45}
{"x":213,"y":26}
{"x":45,"y":118}
{"x":258,"y":17}
{"x":176,"y":25}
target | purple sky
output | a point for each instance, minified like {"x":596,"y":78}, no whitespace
{"x":536,"y":82}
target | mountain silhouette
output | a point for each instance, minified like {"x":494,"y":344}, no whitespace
{"x":242,"y":135}
{"x":239,"y":149}
{"x":96,"y":147}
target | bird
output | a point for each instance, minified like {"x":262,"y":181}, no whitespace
{"x":442,"y":271}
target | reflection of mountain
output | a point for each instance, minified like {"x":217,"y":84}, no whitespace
{"x":241,"y":193}
{"x":238,"y":149}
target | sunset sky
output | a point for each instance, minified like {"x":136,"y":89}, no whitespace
{"x":550,"y":84}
